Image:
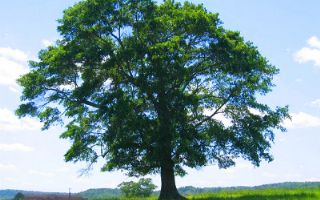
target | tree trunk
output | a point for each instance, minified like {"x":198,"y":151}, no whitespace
{"x":168,"y":186}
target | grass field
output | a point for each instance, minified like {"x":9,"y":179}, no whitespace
{"x":263,"y":194}
{"x":268,"y":194}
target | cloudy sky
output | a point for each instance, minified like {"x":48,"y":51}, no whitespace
{"x":286,"y":32}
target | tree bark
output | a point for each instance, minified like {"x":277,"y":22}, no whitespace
{"x":168,"y":186}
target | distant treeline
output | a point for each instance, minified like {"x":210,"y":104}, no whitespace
{"x":101,"y":193}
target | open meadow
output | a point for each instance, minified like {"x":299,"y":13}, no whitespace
{"x":260,"y":194}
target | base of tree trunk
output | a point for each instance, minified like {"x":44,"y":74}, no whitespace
{"x":169,"y":190}
{"x":175,"y":196}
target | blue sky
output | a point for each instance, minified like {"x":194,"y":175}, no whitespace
{"x":286,"y":33}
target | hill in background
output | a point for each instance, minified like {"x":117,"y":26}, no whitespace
{"x":100,"y":193}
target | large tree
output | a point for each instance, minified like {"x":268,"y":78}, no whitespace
{"x":153,"y":88}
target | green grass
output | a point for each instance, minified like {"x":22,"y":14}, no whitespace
{"x":261,"y":194}
{"x":267,"y":194}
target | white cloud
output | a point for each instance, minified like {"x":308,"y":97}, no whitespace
{"x":256,"y":112}
{"x":10,"y":71}
{"x":302,"y":120}
{"x":311,"y":53}
{"x":315,"y":103}
{"x":46,"y":43}
{"x":13,"y":54}
{"x":15,"y":147}
{"x":41,"y":173}
{"x":307,"y":54}
{"x":13,"y":64}
{"x":10,"y":122}
{"x":8,"y":167}
{"x":314,"y":42}
{"x":220,"y":117}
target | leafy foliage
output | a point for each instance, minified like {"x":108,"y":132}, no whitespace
{"x":142,"y":188}
{"x":150,"y":87}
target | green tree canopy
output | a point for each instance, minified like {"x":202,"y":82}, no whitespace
{"x":149,"y":88}
{"x":143,"y":188}
{"x":18,"y":196}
